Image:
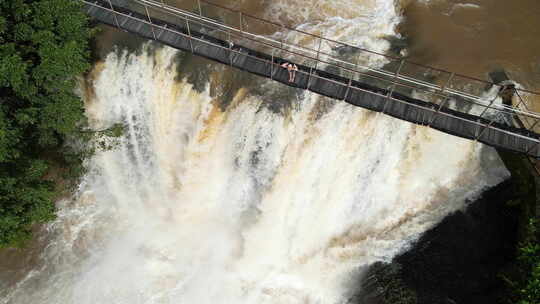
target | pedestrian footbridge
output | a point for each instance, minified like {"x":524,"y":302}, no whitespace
{"x":452,"y":103}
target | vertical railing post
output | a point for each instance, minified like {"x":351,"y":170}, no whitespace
{"x":357,"y":62}
{"x":348,"y":88}
{"x":114,"y":14}
{"x":388,"y":96}
{"x":200,"y":9}
{"x":241,"y":23}
{"x":272,"y":65}
{"x":447,"y":83}
{"x":309,"y":78}
{"x":401,"y":63}
{"x":393,"y":87}
{"x":282,"y":36}
{"x":427,"y":73}
{"x":446,"y":98}
{"x":150,"y":20}
{"x":230,"y":47}
{"x":319,"y":50}
{"x":316,"y":62}
{"x":350,"y":82}
{"x":189,"y":34}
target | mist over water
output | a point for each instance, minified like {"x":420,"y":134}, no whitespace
{"x":204,"y":204}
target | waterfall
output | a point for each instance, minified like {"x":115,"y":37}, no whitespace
{"x":200,"y":203}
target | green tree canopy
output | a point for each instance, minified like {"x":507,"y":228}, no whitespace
{"x":43,"y":48}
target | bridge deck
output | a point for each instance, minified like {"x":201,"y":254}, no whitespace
{"x":204,"y":37}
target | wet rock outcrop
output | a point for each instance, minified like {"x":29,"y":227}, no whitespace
{"x":461,"y":259}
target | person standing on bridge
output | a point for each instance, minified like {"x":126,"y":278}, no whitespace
{"x":293,"y":72}
{"x":291,"y":69}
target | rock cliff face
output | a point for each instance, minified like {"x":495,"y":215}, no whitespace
{"x":459,"y":260}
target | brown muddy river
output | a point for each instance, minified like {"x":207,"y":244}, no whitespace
{"x":474,"y":37}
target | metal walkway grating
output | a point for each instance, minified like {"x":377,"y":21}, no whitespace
{"x":446,"y":109}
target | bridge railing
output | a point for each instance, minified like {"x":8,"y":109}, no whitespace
{"x":260,"y":26}
{"x":398,"y":75}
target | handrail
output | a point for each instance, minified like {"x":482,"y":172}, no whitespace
{"x":218,"y":25}
{"x":355,"y":47}
{"x":530,"y":141}
{"x":386,"y":73}
{"x":311,"y":75}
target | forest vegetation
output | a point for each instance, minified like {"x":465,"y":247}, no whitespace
{"x":523,"y":277}
{"x":44,"y":47}
{"x":527,"y":288}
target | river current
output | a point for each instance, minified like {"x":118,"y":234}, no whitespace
{"x":227,"y":190}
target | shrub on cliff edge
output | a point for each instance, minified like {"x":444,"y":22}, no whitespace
{"x":529,"y":256}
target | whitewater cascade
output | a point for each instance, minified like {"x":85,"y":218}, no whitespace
{"x":245,"y":205}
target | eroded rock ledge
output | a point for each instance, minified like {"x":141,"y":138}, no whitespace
{"x":460,"y":260}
